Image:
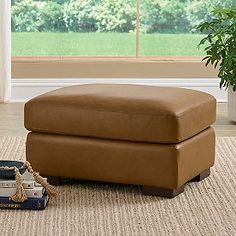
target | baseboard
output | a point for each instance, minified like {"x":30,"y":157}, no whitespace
{"x":25,"y":89}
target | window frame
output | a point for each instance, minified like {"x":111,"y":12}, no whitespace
{"x":112,"y":66}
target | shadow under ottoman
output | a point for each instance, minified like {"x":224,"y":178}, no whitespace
{"x":161,"y":162}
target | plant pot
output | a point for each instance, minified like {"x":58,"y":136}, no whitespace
{"x":231,"y":104}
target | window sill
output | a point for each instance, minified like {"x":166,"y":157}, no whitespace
{"x":110,"y":67}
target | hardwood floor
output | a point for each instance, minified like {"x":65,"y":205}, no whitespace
{"x":11,"y":120}
{"x":223,"y":126}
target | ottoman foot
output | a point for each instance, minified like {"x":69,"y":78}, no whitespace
{"x":201,"y":176}
{"x":54,"y":180}
{"x":162,"y":192}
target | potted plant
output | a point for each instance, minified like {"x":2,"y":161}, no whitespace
{"x":220,"y":47}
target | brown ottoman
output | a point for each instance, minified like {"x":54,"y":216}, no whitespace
{"x":156,"y":137}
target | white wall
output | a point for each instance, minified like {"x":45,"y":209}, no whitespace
{"x":25,"y":89}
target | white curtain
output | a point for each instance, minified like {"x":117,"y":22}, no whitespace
{"x":5,"y":50}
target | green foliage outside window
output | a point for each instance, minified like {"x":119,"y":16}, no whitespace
{"x":79,"y":16}
{"x":164,"y":16}
{"x":156,"y":16}
{"x":116,"y":16}
{"x":200,"y":11}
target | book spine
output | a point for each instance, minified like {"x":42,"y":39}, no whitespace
{"x":12,"y":184}
{"x":30,"y":204}
{"x":37,"y":192}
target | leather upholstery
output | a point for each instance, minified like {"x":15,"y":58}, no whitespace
{"x":122,"y":112}
{"x":151,"y":164}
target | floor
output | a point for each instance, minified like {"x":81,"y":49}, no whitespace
{"x":12,"y":123}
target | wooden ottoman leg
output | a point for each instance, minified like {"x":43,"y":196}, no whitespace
{"x":54,"y":180}
{"x":162,"y":192}
{"x":201,"y":176}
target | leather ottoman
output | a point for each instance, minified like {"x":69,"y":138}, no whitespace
{"x":156,"y":137}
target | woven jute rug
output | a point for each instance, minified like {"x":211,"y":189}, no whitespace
{"x":88,"y":208}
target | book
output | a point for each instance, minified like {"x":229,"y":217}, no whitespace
{"x":12,"y":184}
{"x":29,"y":204}
{"x":36,"y":192}
{"x":29,"y":177}
{"x":28,"y":182}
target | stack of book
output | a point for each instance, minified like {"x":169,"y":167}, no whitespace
{"x":37,"y":197}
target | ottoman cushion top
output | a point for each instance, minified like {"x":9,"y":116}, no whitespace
{"x":122,"y":112}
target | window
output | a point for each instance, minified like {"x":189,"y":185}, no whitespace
{"x":126,"y":28}
{"x":168,"y":27}
{"x":109,"y":38}
{"x":74,"y":27}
